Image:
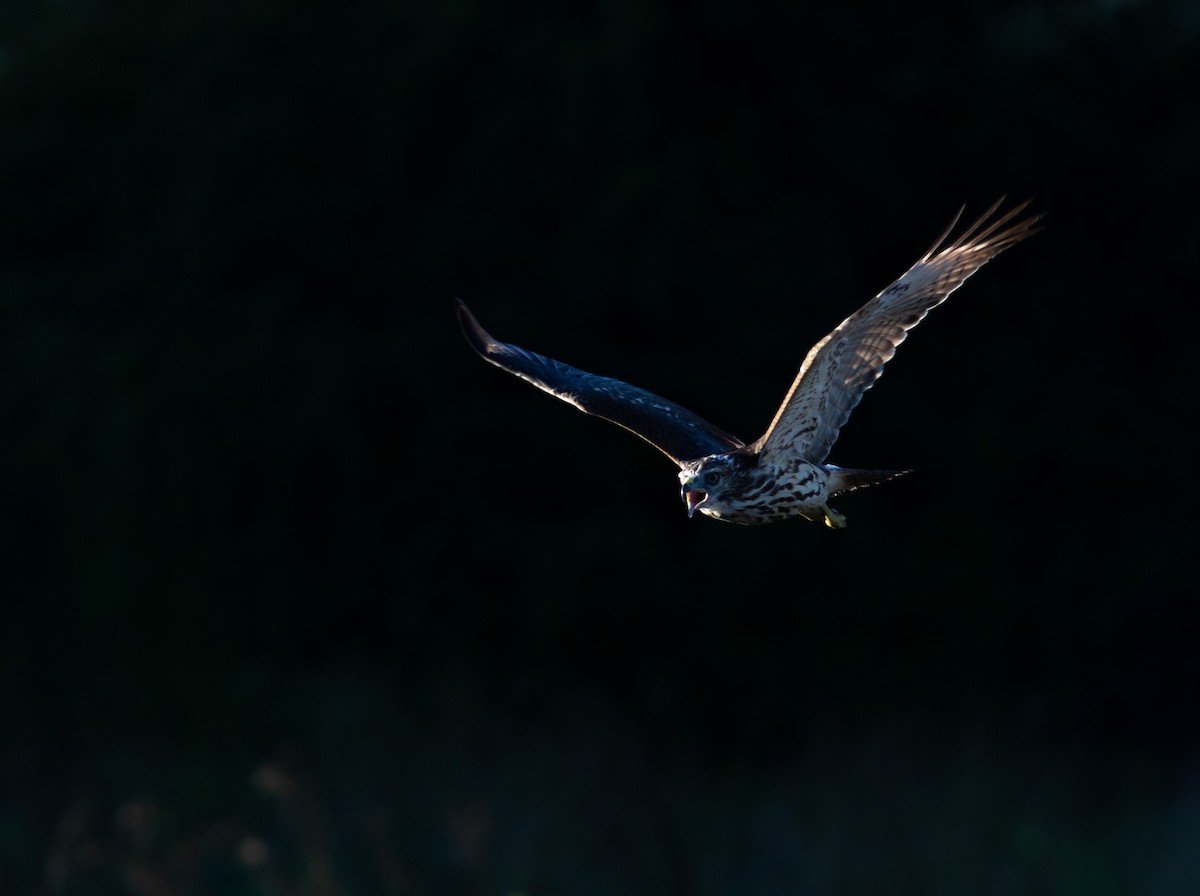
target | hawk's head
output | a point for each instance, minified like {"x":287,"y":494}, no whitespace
{"x":715,"y":484}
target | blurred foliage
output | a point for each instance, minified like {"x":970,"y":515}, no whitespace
{"x":302,"y":598}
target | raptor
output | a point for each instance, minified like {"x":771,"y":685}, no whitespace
{"x":783,"y":473}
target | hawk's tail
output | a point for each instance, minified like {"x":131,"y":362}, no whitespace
{"x":842,"y":480}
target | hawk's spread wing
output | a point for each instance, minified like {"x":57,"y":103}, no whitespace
{"x":846,"y":363}
{"x":673,"y":430}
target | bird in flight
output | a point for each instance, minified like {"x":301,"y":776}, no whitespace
{"x":783,"y":473}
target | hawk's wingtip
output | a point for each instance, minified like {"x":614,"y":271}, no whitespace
{"x":477,"y":336}
{"x":462,"y":312}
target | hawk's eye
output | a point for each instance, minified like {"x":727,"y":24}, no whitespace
{"x":712,"y":478}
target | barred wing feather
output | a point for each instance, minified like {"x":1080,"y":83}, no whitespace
{"x":845,"y":364}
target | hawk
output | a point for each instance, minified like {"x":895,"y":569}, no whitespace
{"x":783,"y":473}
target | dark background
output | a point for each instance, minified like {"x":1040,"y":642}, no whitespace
{"x":300,"y":597}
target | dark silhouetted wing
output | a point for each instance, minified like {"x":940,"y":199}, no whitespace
{"x":673,"y":430}
{"x":847,"y":362}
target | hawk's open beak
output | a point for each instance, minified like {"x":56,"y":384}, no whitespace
{"x":693,"y":498}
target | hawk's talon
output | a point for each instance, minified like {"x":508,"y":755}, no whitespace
{"x":833,"y":519}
